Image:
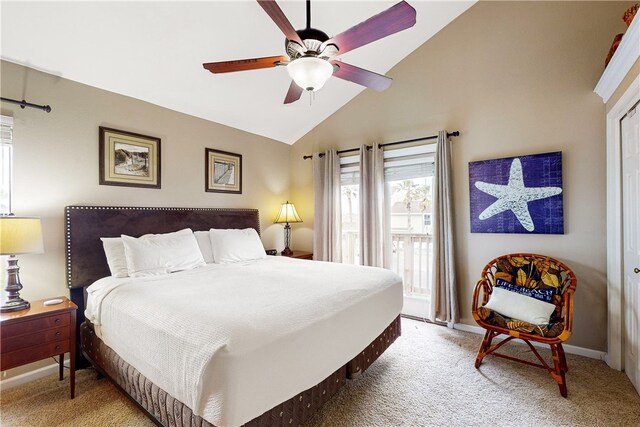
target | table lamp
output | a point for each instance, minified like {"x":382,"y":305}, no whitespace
{"x":18,"y":235}
{"x":287,"y":215}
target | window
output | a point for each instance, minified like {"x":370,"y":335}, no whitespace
{"x":6,"y":163}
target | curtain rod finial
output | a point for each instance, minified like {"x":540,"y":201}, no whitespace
{"x":24,"y":104}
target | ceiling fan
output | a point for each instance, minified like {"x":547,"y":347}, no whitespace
{"x":311,"y":54}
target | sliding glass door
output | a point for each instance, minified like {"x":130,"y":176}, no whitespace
{"x":411,"y":243}
{"x":350,"y":204}
{"x":409,"y":189}
{"x":409,"y":186}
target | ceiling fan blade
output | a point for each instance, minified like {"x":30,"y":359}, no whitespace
{"x":361,"y":76}
{"x":397,"y":18}
{"x":244,"y":64}
{"x":276,"y":14}
{"x":293,"y":94}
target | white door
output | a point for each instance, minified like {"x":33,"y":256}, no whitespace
{"x":630,"y":138}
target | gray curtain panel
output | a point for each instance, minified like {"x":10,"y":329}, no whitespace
{"x":443,"y":293}
{"x":374,"y":224}
{"x":327,"y":233}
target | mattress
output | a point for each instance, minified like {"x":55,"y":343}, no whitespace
{"x":233,"y":341}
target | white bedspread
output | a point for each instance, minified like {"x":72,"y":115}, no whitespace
{"x":232,"y":341}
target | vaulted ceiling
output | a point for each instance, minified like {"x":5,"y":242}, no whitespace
{"x":154,"y":51}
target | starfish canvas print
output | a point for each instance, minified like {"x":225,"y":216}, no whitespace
{"x":517,"y":195}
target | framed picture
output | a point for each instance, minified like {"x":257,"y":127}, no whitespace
{"x":517,"y":195}
{"x":129,"y":159}
{"x":223,"y":172}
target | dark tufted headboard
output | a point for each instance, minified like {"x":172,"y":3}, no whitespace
{"x":85,"y":225}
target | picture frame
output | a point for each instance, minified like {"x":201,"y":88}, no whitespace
{"x":129,"y":159}
{"x":522,"y":194}
{"x":223,"y":172}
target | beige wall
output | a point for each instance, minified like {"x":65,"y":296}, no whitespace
{"x":56,"y":163}
{"x":515,"y":78}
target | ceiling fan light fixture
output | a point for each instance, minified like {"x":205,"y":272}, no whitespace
{"x":310,"y":72}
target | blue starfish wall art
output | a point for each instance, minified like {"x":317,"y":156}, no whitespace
{"x":517,"y":195}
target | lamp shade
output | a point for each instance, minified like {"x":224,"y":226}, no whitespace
{"x":309,"y":72}
{"x":20,"y":235}
{"x":287,"y":214}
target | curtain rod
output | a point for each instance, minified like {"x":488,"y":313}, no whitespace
{"x":388,"y":144}
{"x":23,"y":104}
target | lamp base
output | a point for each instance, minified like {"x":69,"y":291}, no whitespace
{"x":14,"y":305}
{"x":11,"y":301}
{"x":287,"y":240}
{"x":287,"y":252}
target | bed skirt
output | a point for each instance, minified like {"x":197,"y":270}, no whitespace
{"x":166,"y":411}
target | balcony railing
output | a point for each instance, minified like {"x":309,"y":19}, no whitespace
{"x":411,"y":258}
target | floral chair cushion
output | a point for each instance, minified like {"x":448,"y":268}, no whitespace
{"x":550,"y":330}
{"x":536,"y":277}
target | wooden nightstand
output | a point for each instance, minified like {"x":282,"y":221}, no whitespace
{"x":301,"y":255}
{"x":37,"y":333}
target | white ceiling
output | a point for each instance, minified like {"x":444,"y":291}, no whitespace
{"x":154,"y":50}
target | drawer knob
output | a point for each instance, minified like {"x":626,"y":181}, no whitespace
{"x":57,"y":347}
{"x":58,"y":334}
{"x":57,"y":321}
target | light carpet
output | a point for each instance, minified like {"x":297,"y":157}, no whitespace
{"x":426,"y":378}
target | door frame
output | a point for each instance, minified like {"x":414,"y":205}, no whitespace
{"x":615,"y":262}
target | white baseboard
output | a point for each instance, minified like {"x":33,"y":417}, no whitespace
{"x":572,"y":349}
{"x":27,"y":377}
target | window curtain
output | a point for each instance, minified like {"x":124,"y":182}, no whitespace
{"x":327,"y":233}
{"x":373,"y":220}
{"x":443,"y":293}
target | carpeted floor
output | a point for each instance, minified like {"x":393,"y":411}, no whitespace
{"x":426,"y":378}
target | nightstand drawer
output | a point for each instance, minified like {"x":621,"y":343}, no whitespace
{"x":29,"y":340}
{"x":32,"y":354}
{"x":34,"y":325}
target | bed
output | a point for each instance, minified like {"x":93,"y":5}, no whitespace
{"x":280,"y":376}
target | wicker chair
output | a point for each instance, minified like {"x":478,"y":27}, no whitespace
{"x":534,"y":272}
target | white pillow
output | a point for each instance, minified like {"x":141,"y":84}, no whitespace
{"x":154,"y":254}
{"x":116,"y":258}
{"x":204,"y":242}
{"x":234,"y":245}
{"x":521,"y":307}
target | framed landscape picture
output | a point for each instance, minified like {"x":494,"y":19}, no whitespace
{"x":517,"y":195}
{"x":129,"y":159}
{"x":223,"y":172}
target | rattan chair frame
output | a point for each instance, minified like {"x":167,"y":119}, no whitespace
{"x":481,"y":294}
